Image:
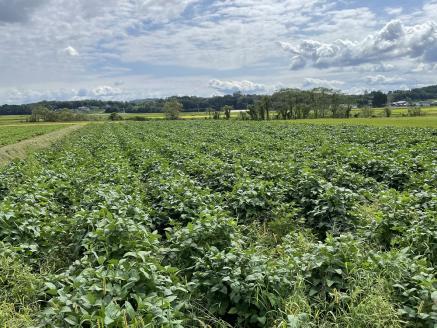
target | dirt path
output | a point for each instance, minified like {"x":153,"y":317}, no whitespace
{"x":21,"y":149}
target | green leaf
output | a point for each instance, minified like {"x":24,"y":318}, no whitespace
{"x":71,"y":320}
{"x":233,"y":310}
{"x":51,"y":289}
{"x":313,"y":291}
{"x":261,"y":320}
{"x":129,"y":310}
{"x":329,"y":283}
{"x":112,"y":313}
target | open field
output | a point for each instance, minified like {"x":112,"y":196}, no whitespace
{"x":12,"y":119}
{"x":183,"y":115}
{"x":431,"y":111}
{"x":12,"y":134}
{"x":222,"y":224}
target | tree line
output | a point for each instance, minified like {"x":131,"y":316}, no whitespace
{"x":288,"y":103}
{"x":417,"y":94}
{"x":293,"y":104}
{"x":189,"y":104}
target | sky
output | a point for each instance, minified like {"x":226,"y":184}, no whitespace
{"x":135,"y":49}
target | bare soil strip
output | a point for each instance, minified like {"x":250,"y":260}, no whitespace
{"x":21,"y":149}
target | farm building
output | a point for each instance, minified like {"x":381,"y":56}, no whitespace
{"x":400,"y":104}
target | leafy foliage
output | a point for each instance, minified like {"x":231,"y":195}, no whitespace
{"x":242,"y":224}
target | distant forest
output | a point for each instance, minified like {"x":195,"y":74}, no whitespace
{"x":190,"y":104}
{"x":236,"y":101}
{"x":418,"y":94}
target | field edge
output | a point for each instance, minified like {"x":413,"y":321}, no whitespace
{"x":22,"y":149}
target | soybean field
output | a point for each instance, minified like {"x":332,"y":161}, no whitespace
{"x":222,"y":224}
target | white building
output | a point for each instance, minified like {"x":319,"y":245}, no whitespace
{"x":400,"y":104}
{"x":423,"y":104}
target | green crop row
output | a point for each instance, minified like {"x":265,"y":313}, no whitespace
{"x":222,"y":224}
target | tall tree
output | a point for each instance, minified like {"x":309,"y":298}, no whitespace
{"x":227,"y":111}
{"x":39,"y":113}
{"x":172,"y":108}
{"x":379,"y":99}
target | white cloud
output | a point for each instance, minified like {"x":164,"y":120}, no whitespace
{"x":16,"y":11}
{"x":100,"y":92}
{"x":227,"y":35}
{"x":351,"y":23}
{"x":424,"y":68}
{"x":381,"y":67}
{"x":229,"y":87}
{"x":355,"y":91}
{"x":18,"y":96}
{"x":430,"y":9}
{"x":70,"y":51}
{"x":67,"y":48}
{"x":104,"y":92}
{"x":314,"y":83}
{"x":394,"y":11}
{"x":297,"y":62}
{"x":393,"y":41}
{"x":382,"y":79}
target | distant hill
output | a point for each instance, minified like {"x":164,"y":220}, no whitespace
{"x":199,"y":104}
{"x":190,"y":104}
{"x":425,"y":93}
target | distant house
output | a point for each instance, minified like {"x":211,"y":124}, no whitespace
{"x":83,"y":108}
{"x":423,"y":104}
{"x":400,"y":104}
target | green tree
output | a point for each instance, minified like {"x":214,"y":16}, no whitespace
{"x":227,"y":111}
{"x":379,"y":99}
{"x":172,"y":108}
{"x":253,"y":112}
{"x":387,"y":111}
{"x":335,"y":104}
{"x":210,"y":111}
{"x":39,"y":113}
{"x":266,"y":104}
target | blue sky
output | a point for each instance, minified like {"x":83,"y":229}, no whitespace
{"x":131,"y":49}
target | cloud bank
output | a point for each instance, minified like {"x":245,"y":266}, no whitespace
{"x":18,"y":11}
{"x":393,"y":41}
{"x":196,"y":47}
{"x":315,"y":83}
{"x":230,"y":87}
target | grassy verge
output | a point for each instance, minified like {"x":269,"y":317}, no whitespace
{"x":21,"y":149}
{"x":13,"y":134}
